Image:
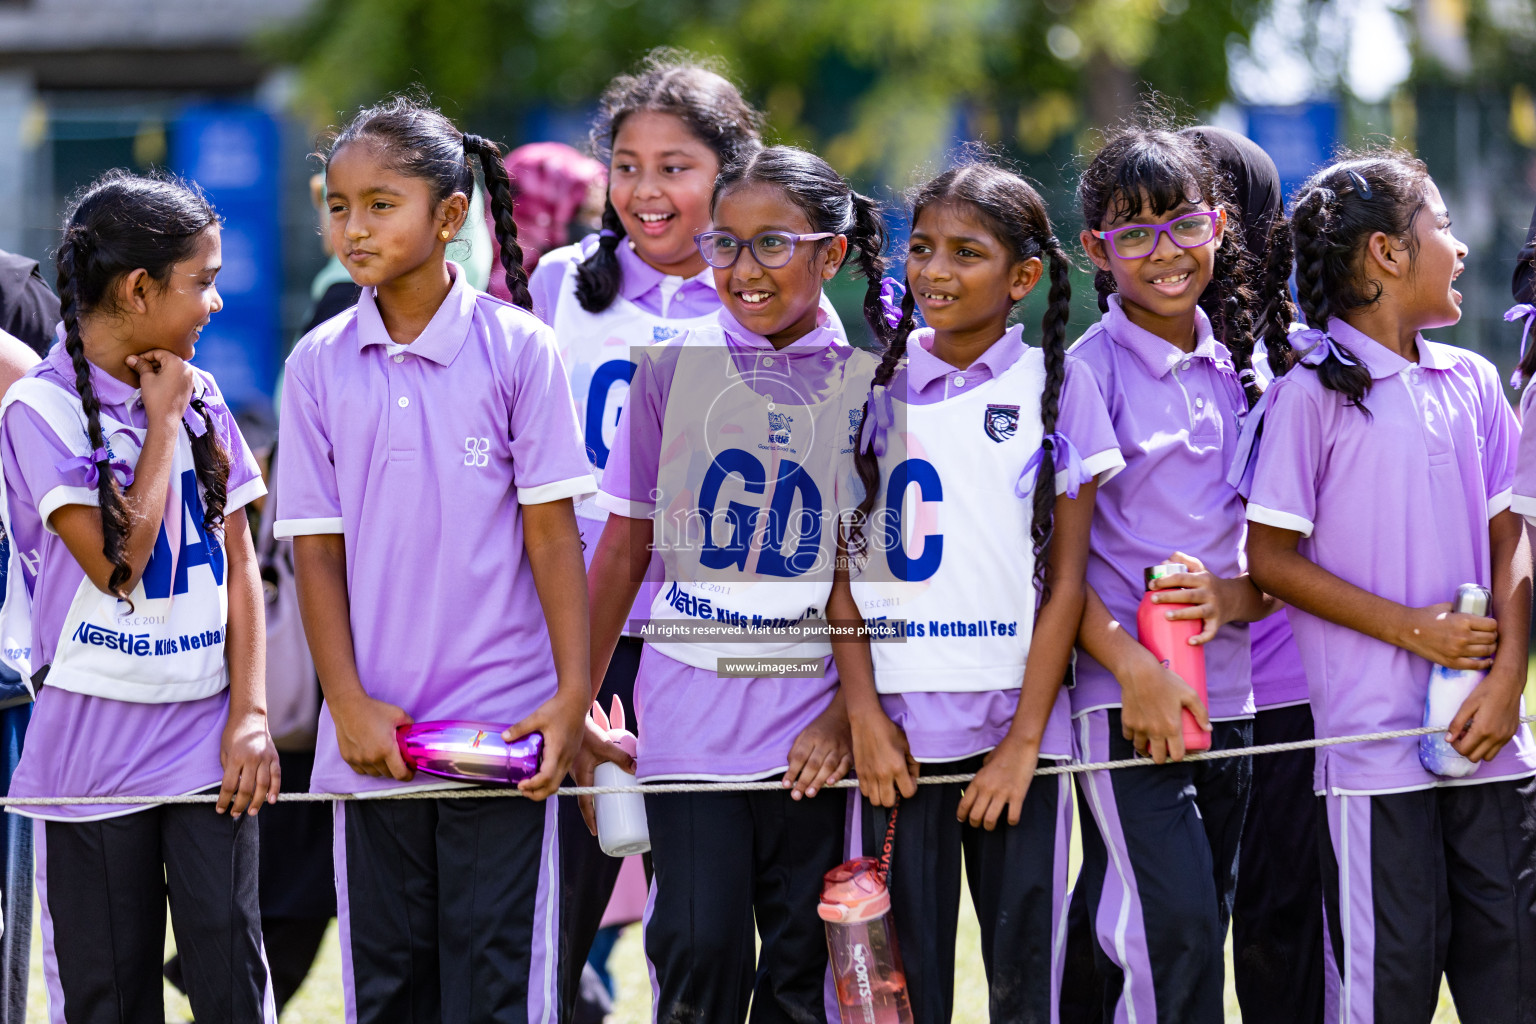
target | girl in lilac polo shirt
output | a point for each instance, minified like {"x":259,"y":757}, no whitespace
{"x":430,"y":458}
{"x":726,"y":463}
{"x":1160,"y":859}
{"x":1382,"y":482}
{"x":134,"y":610}
{"x":1003,"y":444}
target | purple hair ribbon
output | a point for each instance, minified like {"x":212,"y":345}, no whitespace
{"x":1065,"y":459}
{"x":892,"y":292}
{"x":120,"y":469}
{"x":1513,"y":313}
{"x":1320,"y":346}
{"x":607,"y":233}
{"x":876,"y":427}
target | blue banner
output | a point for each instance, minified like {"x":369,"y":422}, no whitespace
{"x":1299,"y":138}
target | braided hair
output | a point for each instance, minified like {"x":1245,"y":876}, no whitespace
{"x":669,"y":82}
{"x":829,"y":203}
{"x":1017,"y":218}
{"x":118,"y":224}
{"x":415,"y":139}
{"x":1337,"y":211}
{"x":1148,"y":164}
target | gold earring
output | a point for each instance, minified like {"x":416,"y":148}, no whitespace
{"x":445,"y":236}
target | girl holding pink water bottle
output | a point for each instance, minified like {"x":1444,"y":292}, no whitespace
{"x":1173,"y":363}
{"x":979,"y":456}
{"x":1382,"y":484}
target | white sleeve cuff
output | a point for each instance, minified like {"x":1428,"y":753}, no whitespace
{"x":623,"y":506}
{"x":1279,"y":520}
{"x":575,"y":487}
{"x":1501,"y":501}
{"x":1103,"y":466}
{"x":244,"y":494}
{"x":61,"y":496}
{"x":287,"y":529}
{"x":1524,"y":505}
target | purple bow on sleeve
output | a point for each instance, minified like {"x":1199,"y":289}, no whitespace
{"x":120,"y":469}
{"x":879,"y":421}
{"x":892,"y":292}
{"x":1319,"y":346}
{"x":1065,"y":459}
{"x":1513,"y":313}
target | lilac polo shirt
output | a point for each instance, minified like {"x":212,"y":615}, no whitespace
{"x":952,"y":726}
{"x":696,"y":725}
{"x":421,"y":460}
{"x":653,"y":291}
{"x":1398,"y":504}
{"x":77,"y":744}
{"x":1176,"y":416}
{"x":1523,"y":500}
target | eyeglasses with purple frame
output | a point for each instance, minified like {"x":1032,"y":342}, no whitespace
{"x":1196,"y":228}
{"x":764,"y":250}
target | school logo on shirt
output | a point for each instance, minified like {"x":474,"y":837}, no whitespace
{"x":660,"y":334}
{"x":477,"y":451}
{"x":1001,"y":422}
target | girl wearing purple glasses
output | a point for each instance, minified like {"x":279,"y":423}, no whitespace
{"x":728,"y":464}
{"x":1160,"y":847}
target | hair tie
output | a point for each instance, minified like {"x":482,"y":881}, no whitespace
{"x":1066,"y":460}
{"x":1513,"y":313}
{"x":1248,"y":376}
{"x":876,"y":426}
{"x":606,"y":233}
{"x":1361,"y":187}
{"x":91,"y":464}
{"x":475,"y":143}
{"x":892,"y":292}
{"x":1320,"y":347}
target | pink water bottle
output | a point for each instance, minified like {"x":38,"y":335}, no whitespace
{"x":469,"y":752}
{"x":1169,"y":640}
{"x":866,"y":965}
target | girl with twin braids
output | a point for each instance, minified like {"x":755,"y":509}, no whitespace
{"x":1382,"y":482}
{"x":727,"y":464}
{"x":135,"y":609}
{"x":430,"y":458}
{"x":1172,"y":357}
{"x":1002,"y":446}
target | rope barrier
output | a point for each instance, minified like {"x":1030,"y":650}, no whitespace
{"x":719,"y":787}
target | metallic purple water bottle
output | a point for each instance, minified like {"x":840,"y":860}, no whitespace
{"x":469,"y":752}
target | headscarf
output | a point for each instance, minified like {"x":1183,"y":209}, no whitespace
{"x":551,"y":182}
{"x":1255,"y":181}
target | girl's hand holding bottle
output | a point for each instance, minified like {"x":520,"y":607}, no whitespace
{"x":1152,"y":701}
{"x":1203,"y":595}
{"x":822,"y":753}
{"x":1488,"y":718}
{"x":882,"y":758}
{"x":596,"y":749}
{"x":1001,"y":784}
{"x":562,"y":720}
{"x":1450,"y":638}
{"x":365,"y":734}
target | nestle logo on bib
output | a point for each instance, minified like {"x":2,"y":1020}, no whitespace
{"x":1001,"y":422}
{"x":778,"y":427}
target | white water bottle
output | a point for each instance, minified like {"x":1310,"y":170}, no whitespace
{"x":621,"y":825}
{"x":1448,"y":690}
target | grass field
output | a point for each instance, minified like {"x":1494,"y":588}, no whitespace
{"x":319,"y":1001}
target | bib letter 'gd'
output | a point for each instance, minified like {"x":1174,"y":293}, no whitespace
{"x":1169,"y":640}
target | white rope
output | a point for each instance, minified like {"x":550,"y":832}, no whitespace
{"x":719,"y":787}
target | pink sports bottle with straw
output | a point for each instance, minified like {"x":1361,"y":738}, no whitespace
{"x":1169,"y":640}
{"x":866,"y":965}
{"x":621,"y":826}
{"x":469,"y":752}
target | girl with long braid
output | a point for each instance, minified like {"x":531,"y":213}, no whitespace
{"x":430,"y":459}
{"x":979,"y":458}
{"x":1172,"y":356}
{"x":135,"y":612}
{"x":1382,"y":482}
{"x":726,"y":465}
